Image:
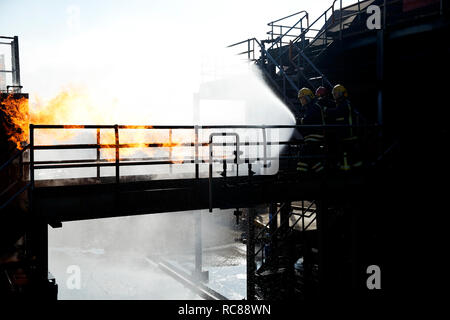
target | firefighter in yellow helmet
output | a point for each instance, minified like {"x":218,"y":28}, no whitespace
{"x":305,"y":96}
{"x":345,"y":114}
{"x":311,"y":113}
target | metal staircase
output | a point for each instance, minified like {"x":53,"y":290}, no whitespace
{"x":289,"y":62}
{"x":282,"y":246}
{"x":295,"y":55}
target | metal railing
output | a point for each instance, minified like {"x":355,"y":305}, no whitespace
{"x":233,"y":155}
{"x":266,"y":61}
{"x":285,"y":225}
{"x":314,"y":39}
{"x":299,"y":25}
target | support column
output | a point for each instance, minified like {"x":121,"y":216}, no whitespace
{"x":380,"y":75}
{"x":251,"y":267}
{"x":42,"y":250}
{"x":285,"y":212}
{"x":322,"y":230}
{"x":273,"y":225}
{"x":199,"y":274}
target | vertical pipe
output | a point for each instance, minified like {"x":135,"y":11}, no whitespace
{"x":98,"y":152}
{"x":251,"y":268}
{"x":13,"y":66}
{"x":16,"y":73}
{"x":116,"y":133}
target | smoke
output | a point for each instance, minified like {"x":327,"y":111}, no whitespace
{"x":111,"y":253}
{"x":126,"y":76}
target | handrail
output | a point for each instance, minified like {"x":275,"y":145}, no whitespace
{"x":268,"y":223}
{"x":289,"y":30}
{"x":277,"y":65}
{"x":284,"y":223}
{"x":289,"y":16}
{"x":118,"y":162}
{"x":325,"y":27}
{"x":211,"y":137}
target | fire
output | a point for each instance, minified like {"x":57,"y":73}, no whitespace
{"x":74,"y":107}
{"x":16,"y":119}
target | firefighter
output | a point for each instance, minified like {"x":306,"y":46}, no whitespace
{"x":311,"y":113}
{"x":324,"y":100}
{"x":345,"y":114}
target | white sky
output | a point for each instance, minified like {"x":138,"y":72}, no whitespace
{"x":145,"y":52}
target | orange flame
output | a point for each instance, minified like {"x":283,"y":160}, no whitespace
{"x":73,"y":107}
{"x":16,"y":119}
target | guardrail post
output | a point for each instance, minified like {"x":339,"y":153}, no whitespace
{"x":32,"y":156}
{"x":210,"y":174}
{"x":265,"y":148}
{"x":170,"y":150}
{"x":116,"y":133}
{"x":197,"y":165}
{"x":98,"y":153}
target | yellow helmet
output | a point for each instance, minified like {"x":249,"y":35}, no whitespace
{"x":305,"y":92}
{"x":339,"y":91}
